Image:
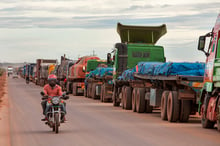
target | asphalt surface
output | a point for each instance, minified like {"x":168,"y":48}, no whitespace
{"x":92,"y":123}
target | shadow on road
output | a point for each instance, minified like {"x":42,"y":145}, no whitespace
{"x":49,"y":131}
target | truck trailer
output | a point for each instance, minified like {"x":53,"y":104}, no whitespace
{"x":62,"y":71}
{"x":44,"y":67}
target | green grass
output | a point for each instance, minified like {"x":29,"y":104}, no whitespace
{"x":1,"y":71}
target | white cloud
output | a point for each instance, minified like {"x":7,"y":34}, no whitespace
{"x":29,"y":28}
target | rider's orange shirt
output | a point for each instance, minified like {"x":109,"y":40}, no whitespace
{"x":55,"y":91}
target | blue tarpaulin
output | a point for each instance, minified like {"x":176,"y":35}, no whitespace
{"x":180,"y":68}
{"x":166,"y":69}
{"x":101,"y":72}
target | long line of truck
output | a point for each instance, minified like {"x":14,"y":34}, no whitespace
{"x":138,"y":77}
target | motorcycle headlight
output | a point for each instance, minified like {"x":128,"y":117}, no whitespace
{"x":55,"y":100}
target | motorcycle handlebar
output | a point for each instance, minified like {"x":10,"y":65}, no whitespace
{"x":62,"y":97}
{"x":43,"y":98}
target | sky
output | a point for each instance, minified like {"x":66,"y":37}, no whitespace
{"x":32,"y":29}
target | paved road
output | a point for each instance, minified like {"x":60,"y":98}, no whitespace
{"x":91,"y":123}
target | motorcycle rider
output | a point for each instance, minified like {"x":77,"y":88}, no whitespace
{"x":52,"y":89}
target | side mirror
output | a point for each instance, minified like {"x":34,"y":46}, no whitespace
{"x":109,"y":58}
{"x":42,"y":93}
{"x":201,"y":44}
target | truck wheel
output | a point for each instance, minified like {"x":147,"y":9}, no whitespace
{"x":94,"y":91}
{"x":173,"y":107}
{"x":134,"y":93}
{"x":164,"y":105}
{"x":85,"y":92}
{"x":140,"y":100}
{"x":185,"y":109}
{"x":206,"y":123}
{"x":128,"y":98}
{"x":114,"y":100}
{"x":218,"y":115}
{"x":101,"y":95}
{"x":104,"y":93}
{"x":123,"y":97}
{"x":88,"y":90}
{"x":69,"y":87}
{"x":148,"y":107}
{"x":74,"y":90}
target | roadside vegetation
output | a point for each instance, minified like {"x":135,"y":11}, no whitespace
{"x":1,"y":71}
{"x":2,"y":83}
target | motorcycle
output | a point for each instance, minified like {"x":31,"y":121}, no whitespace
{"x":54,"y":114}
{"x":27,"y":80}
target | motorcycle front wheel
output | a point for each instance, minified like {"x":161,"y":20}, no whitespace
{"x":56,"y":119}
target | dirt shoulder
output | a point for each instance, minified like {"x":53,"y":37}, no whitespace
{"x":4,"y":113}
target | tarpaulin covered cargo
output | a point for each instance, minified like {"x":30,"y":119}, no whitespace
{"x":166,"y":69}
{"x":180,"y":68}
{"x":101,"y":72}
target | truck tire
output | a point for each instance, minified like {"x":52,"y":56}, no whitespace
{"x":75,"y":90}
{"x":123,"y":97}
{"x":128,"y":98}
{"x":69,"y":87}
{"x":85,"y":92}
{"x":114,"y":96}
{"x":104,"y":95}
{"x":185,"y":109}
{"x":94,"y":91}
{"x":164,"y":105}
{"x":101,"y":95}
{"x":206,"y":123}
{"x":89,"y":90}
{"x":140,"y":100}
{"x":218,"y":115}
{"x":148,"y":107}
{"x":134,"y":93}
{"x":173,"y":106}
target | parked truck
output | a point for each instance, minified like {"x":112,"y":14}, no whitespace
{"x":209,"y":100}
{"x":76,"y":77}
{"x":137,"y":44}
{"x":10,"y":70}
{"x":44,"y":67}
{"x":62,"y":71}
{"x":176,"y":95}
{"x":31,"y":71}
{"x":98,"y":82}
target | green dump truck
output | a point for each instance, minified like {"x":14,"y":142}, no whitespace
{"x":137,"y":44}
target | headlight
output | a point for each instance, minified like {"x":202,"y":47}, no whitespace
{"x":55,"y":100}
{"x":84,"y":68}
